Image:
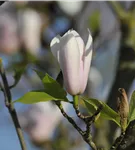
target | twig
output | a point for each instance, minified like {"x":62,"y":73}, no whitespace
{"x":126,"y":139}
{"x":91,"y":119}
{"x":9,"y":105}
{"x":86,"y":138}
{"x":117,"y":141}
{"x":58,"y":103}
{"x":88,"y":120}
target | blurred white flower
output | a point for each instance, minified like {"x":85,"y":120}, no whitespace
{"x":71,"y":8}
{"x":40,"y":121}
{"x":30,"y":26}
{"x":9,"y":42}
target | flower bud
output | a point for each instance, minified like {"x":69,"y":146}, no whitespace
{"x":123,"y":108}
{"x":74,"y":59}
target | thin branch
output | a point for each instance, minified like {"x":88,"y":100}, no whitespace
{"x":87,"y":119}
{"x":85,"y":134}
{"x":58,"y":103}
{"x":9,"y":105}
{"x":126,"y":139}
{"x":117,"y":141}
{"x":92,"y":118}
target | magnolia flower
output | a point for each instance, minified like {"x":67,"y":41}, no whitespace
{"x":74,"y":59}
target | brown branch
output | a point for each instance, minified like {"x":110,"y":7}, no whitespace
{"x":128,"y":141}
{"x":88,"y":121}
{"x":117,"y":141}
{"x":58,"y":103}
{"x":9,"y":105}
{"x":85,"y":134}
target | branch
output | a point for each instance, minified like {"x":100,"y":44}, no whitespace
{"x":117,"y":141}
{"x":58,"y":103}
{"x":87,"y":119}
{"x":9,"y":105}
{"x":85,"y":134}
{"x":128,"y":142}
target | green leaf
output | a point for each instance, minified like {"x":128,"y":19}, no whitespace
{"x":17,"y":75}
{"x":106,"y":112}
{"x":35,"y":97}
{"x":52,"y":91}
{"x":52,"y":87}
{"x":40,"y":74}
{"x":131,"y":115}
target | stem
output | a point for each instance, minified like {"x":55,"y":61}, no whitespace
{"x":9,"y":105}
{"x":75,"y":101}
{"x":86,"y":138}
{"x":88,"y":120}
{"x":126,"y":141}
{"x":117,"y":141}
{"x":76,"y":107}
{"x":58,"y":103}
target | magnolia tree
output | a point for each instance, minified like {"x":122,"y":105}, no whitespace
{"x":74,"y":58}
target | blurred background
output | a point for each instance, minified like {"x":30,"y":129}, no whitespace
{"x":26,"y":29}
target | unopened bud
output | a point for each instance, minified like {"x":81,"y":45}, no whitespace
{"x":123,"y":108}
